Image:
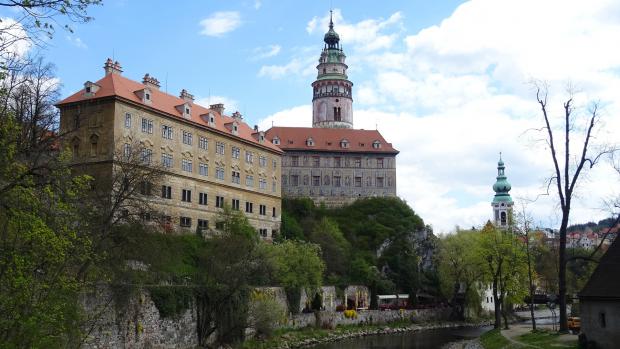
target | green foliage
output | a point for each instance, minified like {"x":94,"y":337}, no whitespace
{"x":265,"y":313}
{"x":171,"y":301}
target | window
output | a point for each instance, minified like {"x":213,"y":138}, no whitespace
{"x":127,"y":151}
{"x":219,"y":173}
{"x":376,"y":144}
{"x":76,"y":121}
{"x":94,"y":139}
{"x":316,"y":181}
{"x":262,"y":161}
{"x":379,"y":182}
{"x":262,"y":183}
{"x":219,"y":148}
{"x":187,"y":138}
{"x":276,"y":141}
{"x":219,"y":201}
{"x":379,"y":162}
{"x":602,"y":320}
{"x":235,"y":177}
{"x":273,"y":212}
{"x":202,"y":198}
{"x":294,"y":160}
{"x":337,"y":161}
{"x":249,"y":181}
{"x":310,"y":142}
{"x":146,"y":217}
{"x":503,"y":218}
{"x":249,"y":207}
{"x":336,"y":181}
{"x":146,"y":155}
{"x":294,"y":180}
{"x":147,"y":126}
{"x":273,"y":186}
{"x":186,"y":195}
{"x":147,"y":96}
{"x":203,"y":169}
{"x":203,"y":143}
{"x":166,"y":160}
{"x":219,"y":225}
{"x":166,"y":132}
{"x":127,"y":120}
{"x":357,"y":162}
{"x":166,"y":192}
{"x":186,"y":222}
{"x":186,"y":165}
{"x":262,"y":232}
{"x":262,"y":210}
{"x":358,"y":181}
{"x":274,"y":164}
{"x":146,"y":188}
{"x":249,"y":157}
{"x":344,"y":143}
{"x":203,"y":225}
{"x":235,"y":152}
{"x":316,"y":161}
{"x":235,"y":204}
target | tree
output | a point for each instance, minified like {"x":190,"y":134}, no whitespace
{"x":568,"y":166}
{"x":296,"y":265}
{"x":335,"y":249}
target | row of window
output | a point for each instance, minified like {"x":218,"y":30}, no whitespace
{"x":167,"y":132}
{"x":336,"y":181}
{"x":315,"y":161}
{"x":203,"y":199}
{"x":201,"y":226}
{"x":146,"y":157}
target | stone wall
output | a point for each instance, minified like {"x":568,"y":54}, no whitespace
{"x":331,"y":319}
{"x":604,"y":333}
{"x":137,"y":324}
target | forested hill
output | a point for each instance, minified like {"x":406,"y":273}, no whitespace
{"x":595,"y":227}
{"x":351,"y":237}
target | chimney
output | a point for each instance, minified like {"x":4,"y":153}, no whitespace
{"x":111,"y":67}
{"x":219,"y":108}
{"x":255,"y":128}
{"x":150,"y":81}
{"x":186,"y":96}
{"x":237,"y":116}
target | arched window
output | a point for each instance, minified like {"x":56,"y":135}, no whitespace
{"x":503,"y":218}
{"x":94,"y":139}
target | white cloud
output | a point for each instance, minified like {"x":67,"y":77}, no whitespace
{"x":265,"y":52}
{"x":13,"y":38}
{"x":231,"y":105}
{"x":458,"y":93}
{"x":296,"y":66}
{"x":220,"y":23}
{"x":77,"y":42}
{"x":257,"y":4}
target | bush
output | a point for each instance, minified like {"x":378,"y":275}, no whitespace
{"x":350,"y":314}
{"x":265,"y":313}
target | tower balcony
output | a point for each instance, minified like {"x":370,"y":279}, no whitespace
{"x":331,"y":94}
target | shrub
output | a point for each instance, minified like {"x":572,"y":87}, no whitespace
{"x":265,"y":313}
{"x":350,"y":314}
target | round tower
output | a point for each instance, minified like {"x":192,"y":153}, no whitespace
{"x":332,"y":102}
{"x":502,"y":201}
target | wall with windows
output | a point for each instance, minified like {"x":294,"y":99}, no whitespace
{"x":200,"y":162}
{"x":338,"y":178}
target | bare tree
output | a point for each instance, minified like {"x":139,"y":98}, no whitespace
{"x":524,"y":222}
{"x":568,"y":165}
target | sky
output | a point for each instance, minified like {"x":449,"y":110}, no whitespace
{"x":449,"y":83}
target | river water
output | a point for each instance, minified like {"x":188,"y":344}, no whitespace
{"x":422,"y":339}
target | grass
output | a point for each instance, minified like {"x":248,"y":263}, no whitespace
{"x":546,"y":340}
{"x":495,"y":340}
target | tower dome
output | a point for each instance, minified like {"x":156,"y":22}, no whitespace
{"x":332,"y":102}
{"x":502,"y":201}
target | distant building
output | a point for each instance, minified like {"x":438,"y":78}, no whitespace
{"x":210,"y":159}
{"x":600,"y":302}
{"x":332,"y":162}
{"x":502,"y":201}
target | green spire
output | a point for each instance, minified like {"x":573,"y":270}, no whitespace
{"x":501,"y":186}
{"x":331,"y":37}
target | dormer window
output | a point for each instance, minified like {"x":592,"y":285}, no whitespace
{"x":90,"y":88}
{"x":344,"y":143}
{"x":310,"y":142}
{"x":147,"y":96}
{"x":186,"y":110}
{"x":376,"y":144}
{"x":276,"y":141}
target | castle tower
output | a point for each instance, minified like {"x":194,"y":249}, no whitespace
{"x":502,"y":202}
{"x":332,"y":102}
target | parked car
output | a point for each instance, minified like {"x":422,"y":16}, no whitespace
{"x":574,"y":324}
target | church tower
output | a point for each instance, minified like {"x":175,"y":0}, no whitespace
{"x":332,"y":102}
{"x":502,"y":202}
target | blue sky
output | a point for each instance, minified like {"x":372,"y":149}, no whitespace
{"x":449,"y":83}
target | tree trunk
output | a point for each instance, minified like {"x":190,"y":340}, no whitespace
{"x":562,"y":272}
{"x":529,"y":275}
{"x":497,"y":305}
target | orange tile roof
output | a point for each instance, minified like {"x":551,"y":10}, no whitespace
{"x":119,"y":86}
{"x":328,"y":139}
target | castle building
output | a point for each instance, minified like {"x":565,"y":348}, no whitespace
{"x":332,"y":162}
{"x":502,"y":202}
{"x":209,"y":159}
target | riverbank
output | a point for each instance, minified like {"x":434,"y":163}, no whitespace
{"x":309,"y":336}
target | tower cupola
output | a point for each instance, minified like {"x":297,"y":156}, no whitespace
{"x":332,"y":102}
{"x":502,"y":201}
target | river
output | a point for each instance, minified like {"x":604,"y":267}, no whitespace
{"x":422,"y":339}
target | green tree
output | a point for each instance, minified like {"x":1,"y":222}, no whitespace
{"x":335,"y":249}
{"x":296,"y":265}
